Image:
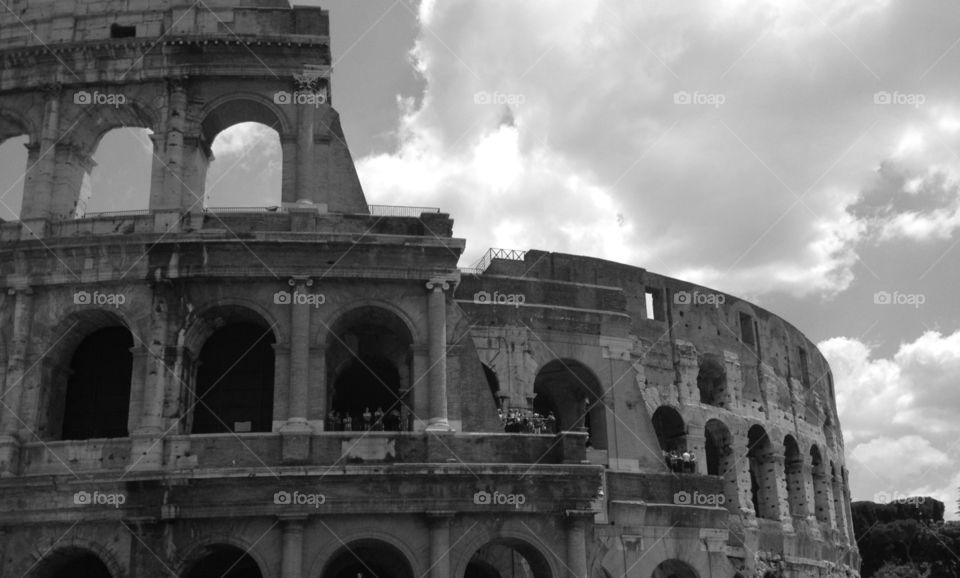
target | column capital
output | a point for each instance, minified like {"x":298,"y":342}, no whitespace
{"x":443,"y":282}
{"x":300,"y":280}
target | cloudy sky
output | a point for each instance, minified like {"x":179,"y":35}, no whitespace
{"x":802,"y":154}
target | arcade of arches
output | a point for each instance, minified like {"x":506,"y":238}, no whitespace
{"x":573,"y":394}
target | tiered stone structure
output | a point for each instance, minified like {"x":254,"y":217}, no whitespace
{"x":176,"y":382}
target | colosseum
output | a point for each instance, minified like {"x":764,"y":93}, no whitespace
{"x":317,"y":390}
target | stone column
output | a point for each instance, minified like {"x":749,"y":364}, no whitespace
{"x":741,"y":463}
{"x":10,"y":421}
{"x":781,"y":493}
{"x":38,"y":188}
{"x":291,"y":563}
{"x":809,"y":498}
{"x":697,"y":444}
{"x":167,"y":198}
{"x":437,"y":316}
{"x":307,"y":113}
{"x":577,"y":521}
{"x":296,"y":431}
{"x":147,"y":451}
{"x":439,"y":523}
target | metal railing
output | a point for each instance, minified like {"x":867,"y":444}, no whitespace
{"x":273,"y":209}
{"x":375,"y":211}
{"x":115,"y":214}
{"x":400,"y":211}
{"x":491,"y":254}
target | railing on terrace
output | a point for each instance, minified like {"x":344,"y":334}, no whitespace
{"x":375,"y":211}
{"x":115,"y":214}
{"x":399,"y":211}
{"x":481,"y":265}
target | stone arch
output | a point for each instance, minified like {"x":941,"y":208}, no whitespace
{"x":230,"y":380}
{"x":72,"y":374}
{"x":539,"y":565}
{"x":330,"y":548}
{"x":821,"y":489}
{"x":417,"y":332}
{"x":214,"y":557}
{"x":722,"y":460}
{"x":763,"y":479}
{"x":79,"y":554}
{"x":367,"y":555}
{"x":674,"y":568}
{"x":369,"y":369}
{"x":712,"y":380}
{"x":13,"y":124}
{"x":571,"y":390}
{"x":796,"y":484}
{"x":235,"y":108}
{"x":671,"y":435}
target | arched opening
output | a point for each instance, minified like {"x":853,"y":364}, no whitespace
{"x":235,"y":374}
{"x":763,"y":479}
{"x":71,"y":563}
{"x":121,"y":174}
{"x":793,"y":465}
{"x":672,"y":436}
{"x":507,"y":558}
{"x":13,"y":168}
{"x":712,"y":381}
{"x":369,"y":364}
{"x":494,"y":384}
{"x":368,"y":559}
{"x":224,"y":562}
{"x":97,"y":400}
{"x":821,"y":487}
{"x":570,"y":391}
{"x":674,"y":569}
{"x":721,"y":460}
{"x":245,"y":157}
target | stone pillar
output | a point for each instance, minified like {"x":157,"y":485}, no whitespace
{"x":697,"y":444}
{"x":439,"y":523}
{"x":741,"y":462}
{"x":73,"y":162}
{"x":166,"y":193}
{"x":38,"y":187}
{"x":577,"y":521}
{"x":10,"y":420}
{"x":147,"y":451}
{"x":437,"y":316}
{"x":307,"y":113}
{"x":296,"y":431}
{"x":809,"y":498}
{"x":291,"y":563}
{"x":781,"y":494}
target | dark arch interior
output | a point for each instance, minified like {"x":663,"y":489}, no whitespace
{"x":493,"y":383}
{"x":671,"y":433}
{"x":674,"y":569}
{"x":235,"y":380}
{"x":97,"y":401}
{"x":761,"y":479}
{"x":225,"y":562}
{"x":367,"y":388}
{"x":74,"y":564}
{"x":572,"y":393}
{"x":711,"y":381}
{"x":718,"y":447}
{"x":368,"y":559}
{"x":507,"y":559}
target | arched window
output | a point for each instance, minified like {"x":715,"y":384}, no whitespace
{"x":71,"y":563}
{"x":712,"y":381}
{"x":369,"y":363}
{"x":121,"y":175}
{"x":672,"y":435}
{"x":97,"y":400}
{"x":224,"y":562}
{"x":504,"y":558}
{"x":721,"y":460}
{"x":368,"y":558}
{"x":763,"y":479}
{"x":796,"y":489}
{"x":821,"y":486}
{"x":247,"y":167}
{"x":570,"y":391}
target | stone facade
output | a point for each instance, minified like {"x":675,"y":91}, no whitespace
{"x":175,"y":382}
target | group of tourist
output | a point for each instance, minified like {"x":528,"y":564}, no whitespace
{"x":681,"y":462}
{"x":526,"y":421}
{"x":377,"y":420}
